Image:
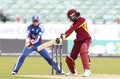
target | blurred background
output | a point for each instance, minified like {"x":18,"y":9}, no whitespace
{"x":103,"y":18}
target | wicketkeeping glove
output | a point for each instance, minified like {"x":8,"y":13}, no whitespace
{"x":29,"y":43}
{"x":32,"y":41}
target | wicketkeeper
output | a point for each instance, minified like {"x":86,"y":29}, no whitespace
{"x":34,"y":39}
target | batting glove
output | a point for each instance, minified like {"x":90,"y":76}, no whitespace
{"x":58,"y":41}
{"x":62,"y":36}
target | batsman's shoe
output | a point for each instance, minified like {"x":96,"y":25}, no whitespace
{"x":87,"y":73}
{"x":70,"y":74}
{"x":13,"y":73}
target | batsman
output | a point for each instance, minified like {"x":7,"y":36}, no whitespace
{"x":33,"y":40}
{"x":81,"y":43}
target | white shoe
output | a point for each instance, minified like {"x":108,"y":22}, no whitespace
{"x":62,"y":73}
{"x":87,"y":73}
{"x":70,"y":74}
{"x":13,"y":73}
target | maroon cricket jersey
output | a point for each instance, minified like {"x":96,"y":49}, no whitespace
{"x":80,"y":28}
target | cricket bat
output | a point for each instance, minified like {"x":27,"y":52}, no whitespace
{"x":45,"y":45}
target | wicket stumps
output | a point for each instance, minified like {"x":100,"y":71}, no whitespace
{"x":57,"y":54}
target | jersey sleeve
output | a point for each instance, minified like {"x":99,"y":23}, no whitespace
{"x":73,"y":27}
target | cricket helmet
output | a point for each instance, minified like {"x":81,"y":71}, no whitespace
{"x":72,"y":12}
{"x":35,"y":18}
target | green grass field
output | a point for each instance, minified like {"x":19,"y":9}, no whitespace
{"x":37,"y":66}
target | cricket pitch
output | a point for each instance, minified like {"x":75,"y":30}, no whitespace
{"x":93,"y":76}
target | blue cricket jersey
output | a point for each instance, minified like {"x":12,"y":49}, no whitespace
{"x":35,"y":33}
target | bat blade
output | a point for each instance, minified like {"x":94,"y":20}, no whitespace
{"x":45,"y":45}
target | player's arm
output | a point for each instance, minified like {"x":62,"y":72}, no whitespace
{"x":73,"y":28}
{"x":27,"y":40}
{"x":63,"y":36}
{"x":39,"y":35}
